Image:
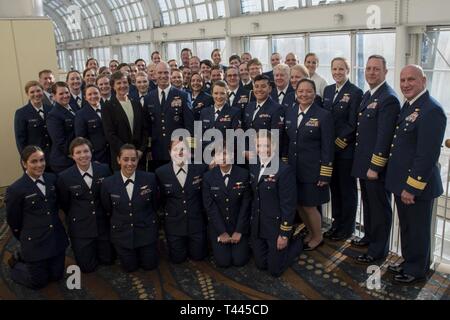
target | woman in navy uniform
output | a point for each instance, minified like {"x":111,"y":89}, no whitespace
{"x":29,"y":121}
{"x":238,"y":96}
{"x":273,"y":209}
{"x":79,"y":190}
{"x":73,"y":80}
{"x":181,"y":200}
{"x":200,"y":99}
{"x":89,"y":124}
{"x":310,"y":141}
{"x":221,"y":115}
{"x":227,"y":200}
{"x":342,"y":99}
{"x":60,"y":124}
{"x":130,"y":197}
{"x":32,"y":215}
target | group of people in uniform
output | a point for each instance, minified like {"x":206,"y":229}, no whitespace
{"x":100,"y":148}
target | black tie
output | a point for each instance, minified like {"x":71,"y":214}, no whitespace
{"x":39,"y":181}
{"x":98,"y":111}
{"x":70,"y":110}
{"x":41,"y":113}
{"x":216,"y":114}
{"x":281,"y":93}
{"x":226,"y":178}
{"x":301,"y":114}
{"x":87,"y":174}
{"x":406,"y":105}
{"x":163,"y":98}
{"x":231,"y":94}
{"x":181,"y":170}
{"x":128,"y":182}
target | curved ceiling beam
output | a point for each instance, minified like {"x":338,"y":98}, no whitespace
{"x":58,"y":21}
{"x":147,"y":6}
{"x":109,"y":17}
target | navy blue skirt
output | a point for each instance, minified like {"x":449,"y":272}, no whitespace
{"x":310,"y":195}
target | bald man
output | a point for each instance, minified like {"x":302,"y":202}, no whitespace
{"x":168,"y":109}
{"x":413,"y":173}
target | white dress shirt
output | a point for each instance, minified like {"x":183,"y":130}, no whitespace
{"x":88,"y":176}
{"x":130,"y":186}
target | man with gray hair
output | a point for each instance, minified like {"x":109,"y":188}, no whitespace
{"x":413,"y":174}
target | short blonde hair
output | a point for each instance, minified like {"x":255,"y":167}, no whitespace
{"x":301,"y":68}
{"x":32,"y":83}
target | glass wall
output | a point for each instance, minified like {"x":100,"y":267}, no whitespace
{"x":184,"y":11}
{"x":200,"y":48}
{"x":103,"y":55}
{"x":131,"y":53}
{"x":289,"y":43}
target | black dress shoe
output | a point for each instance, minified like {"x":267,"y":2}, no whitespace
{"x":306,"y":247}
{"x":340,"y":236}
{"x":330,"y":232}
{"x":366,"y":259}
{"x":395,"y":269}
{"x":406,"y":279}
{"x":360,"y":242}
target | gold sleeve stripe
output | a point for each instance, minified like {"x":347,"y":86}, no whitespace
{"x":416,"y":184}
{"x":379,"y":161}
{"x":284,"y":228}
{"x":340,"y":143}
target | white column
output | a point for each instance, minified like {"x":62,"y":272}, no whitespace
{"x":21,"y":8}
{"x":402,"y":49}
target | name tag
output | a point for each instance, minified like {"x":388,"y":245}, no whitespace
{"x":116,"y":196}
{"x":31,"y":195}
{"x":215,"y":188}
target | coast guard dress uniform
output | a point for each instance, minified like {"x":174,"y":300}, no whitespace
{"x":32,"y":215}
{"x":30,"y":128}
{"x":310,"y":138}
{"x":201,"y":101}
{"x":272,"y":215}
{"x":227,"y":200}
{"x":413,"y":166}
{"x":88,"y":224}
{"x":184,"y":218}
{"x":132,"y":204}
{"x":343,"y":103}
{"x":89,"y":124}
{"x":377,"y":116}
{"x":60,"y":125}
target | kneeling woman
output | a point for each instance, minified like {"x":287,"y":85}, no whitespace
{"x":32,"y":215}
{"x":79,"y":189}
{"x":227,"y":200}
{"x":130,"y":197}
{"x":310,"y":145}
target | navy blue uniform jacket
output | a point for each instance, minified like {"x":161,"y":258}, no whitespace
{"x":227,"y":207}
{"x":345,"y":111}
{"x":33,"y":218}
{"x":311,"y":145}
{"x":133,"y":221}
{"x":84,"y":212}
{"x":413,"y":162}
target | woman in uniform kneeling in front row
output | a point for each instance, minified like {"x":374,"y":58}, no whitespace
{"x":130,"y":197}
{"x":32,"y":215}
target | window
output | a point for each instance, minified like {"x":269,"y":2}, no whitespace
{"x":103,"y":55}
{"x":248,"y":6}
{"x":328,"y":47}
{"x":259,"y":48}
{"x":69,"y":17}
{"x":133,"y":52}
{"x":58,"y":34}
{"x":62,"y":61}
{"x":78,"y":59}
{"x":129,"y":15}
{"x":184,"y":11}
{"x":199,"y":48}
{"x":290,"y":43}
{"x":93,"y":18}
{"x":282,"y":4}
{"x":368,"y":44}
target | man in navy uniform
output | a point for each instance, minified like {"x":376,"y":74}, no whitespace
{"x":273,"y":209}
{"x":168,"y":109}
{"x":281,"y":93}
{"x":413,"y":173}
{"x":377,"y":115}
{"x":275,"y":59}
{"x":343,"y":99}
{"x":181,"y":200}
{"x":238,"y":96}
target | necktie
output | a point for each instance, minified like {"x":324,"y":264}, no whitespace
{"x":181,"y":176}
{"x":280,"y":97}
{"x":41,"y":185}
{"x":281,"y":94}
{"x":70,"y":110}
{"x":142,"y":100}
{"x":129,"y":184}
{"x":225,"y":179}
{"x":78,"y":101}
{"x":231,"y":97}
{"x":88,"y":179}
{"x":256,"y":111}
{"x":335,"y":95}
{"x":41,"y":113}
{"x":128,"y":181}
{"x":406,"y":105}
{"x":300,"y":118}
{"x":261,"y":171}
{"x":180,"y":170}
{"x":99,"y":112}
{"x":216,"y":115}
{"x":231,"y":94}
{"x":163,"y":98}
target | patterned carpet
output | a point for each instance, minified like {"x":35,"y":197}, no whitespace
{"x":327,"y":273}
